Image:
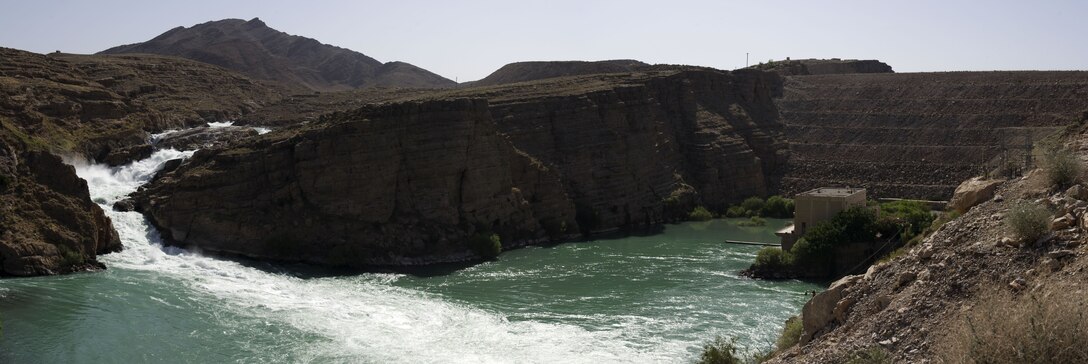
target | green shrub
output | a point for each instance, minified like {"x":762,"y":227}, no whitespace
{"x":1061,"y":164}
{"x":914,"y":214}
{"x":1028,"y":220}
{"x":773,"y":258}
{"x":69,"y":257}
{"x":791,"y":334}
{"x":720,"y":351}
{"x":486,"y":245}
{"x":1036,"y":328}
{"x":735,"y":211}
{"x":752,"y":205}
{"x":777,"y":207}
{"x":753,"y":221}
{"x":700,"y":214}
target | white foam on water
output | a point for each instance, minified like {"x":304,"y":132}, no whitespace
{"x":361,"y":318}
{"x":262,"y":130}
{"x":220,"y":124}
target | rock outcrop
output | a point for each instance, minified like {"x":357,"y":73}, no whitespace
{"x":973,"y":192}
{"x":48,"y":224}
{"x":396,"y":184}
{"x":254,"y":49}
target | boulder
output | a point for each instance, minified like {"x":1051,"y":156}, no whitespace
{"x":825,"y":307}
{"x":1064,"y":222}
{"x":973,"y":192}
{"x":1077,"y":192}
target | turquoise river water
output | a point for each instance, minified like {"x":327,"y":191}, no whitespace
{"x":641,"y":299}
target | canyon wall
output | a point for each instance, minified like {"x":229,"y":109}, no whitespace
{"x":411,"y":182}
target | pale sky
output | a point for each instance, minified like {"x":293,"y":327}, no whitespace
{"x":467,"y":40}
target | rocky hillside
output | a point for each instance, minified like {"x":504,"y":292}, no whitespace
{"x":95,"y":107}
{"x":532,"y":71}
{"x":918,"y":135}
{"x":531,"y":162}
{"x":970,"y":290}
{"x":254,"y":49}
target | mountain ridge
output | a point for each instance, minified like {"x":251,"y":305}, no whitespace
{"x":259,"y":51}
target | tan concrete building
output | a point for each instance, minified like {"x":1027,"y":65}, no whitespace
{"x":818,"y":205}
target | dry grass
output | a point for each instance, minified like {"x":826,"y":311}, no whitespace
{"x":1028,"y":220}
{"x":1036,"y":328}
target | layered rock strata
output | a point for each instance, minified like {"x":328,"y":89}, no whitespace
{"x":411,"y":182}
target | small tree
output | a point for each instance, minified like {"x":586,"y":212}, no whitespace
{"x":777,"y":207}
{"x":700,"y":214}
{"x":771,"y":258}
{"x":720,"y":351}
{"x":753,"y":205}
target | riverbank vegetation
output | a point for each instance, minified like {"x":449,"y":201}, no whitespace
{"x":851,"y":240}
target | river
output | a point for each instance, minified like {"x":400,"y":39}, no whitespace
{"x":654,"y":298}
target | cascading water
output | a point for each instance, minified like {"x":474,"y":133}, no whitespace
{"x":623,"y":300}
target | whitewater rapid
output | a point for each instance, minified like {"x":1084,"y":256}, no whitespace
{"x":359,"y":318}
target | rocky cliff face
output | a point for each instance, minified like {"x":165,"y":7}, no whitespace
{"x":254,"y":49}
{"x":48,"y":224}
{"x":631,"y":153}
{"x":395,"y":184}
{"x":410,"y":182}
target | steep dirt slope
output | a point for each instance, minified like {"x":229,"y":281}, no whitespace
{"x":911,"y":306}
{"x":918,"y":135}
{"x":254,"y":49}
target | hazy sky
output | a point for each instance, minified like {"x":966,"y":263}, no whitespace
{"x":469,"y":39}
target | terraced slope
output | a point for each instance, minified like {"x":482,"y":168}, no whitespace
{"x":919,"y":135}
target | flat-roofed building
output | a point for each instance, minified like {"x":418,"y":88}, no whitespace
{"x":816,"y":206}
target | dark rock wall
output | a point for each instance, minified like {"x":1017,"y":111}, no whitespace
{"x":409,"y":183}
{"x":396,"y":184}
{"x":48,"y":223}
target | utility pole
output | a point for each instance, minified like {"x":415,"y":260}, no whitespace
{"x":745,"y":59}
